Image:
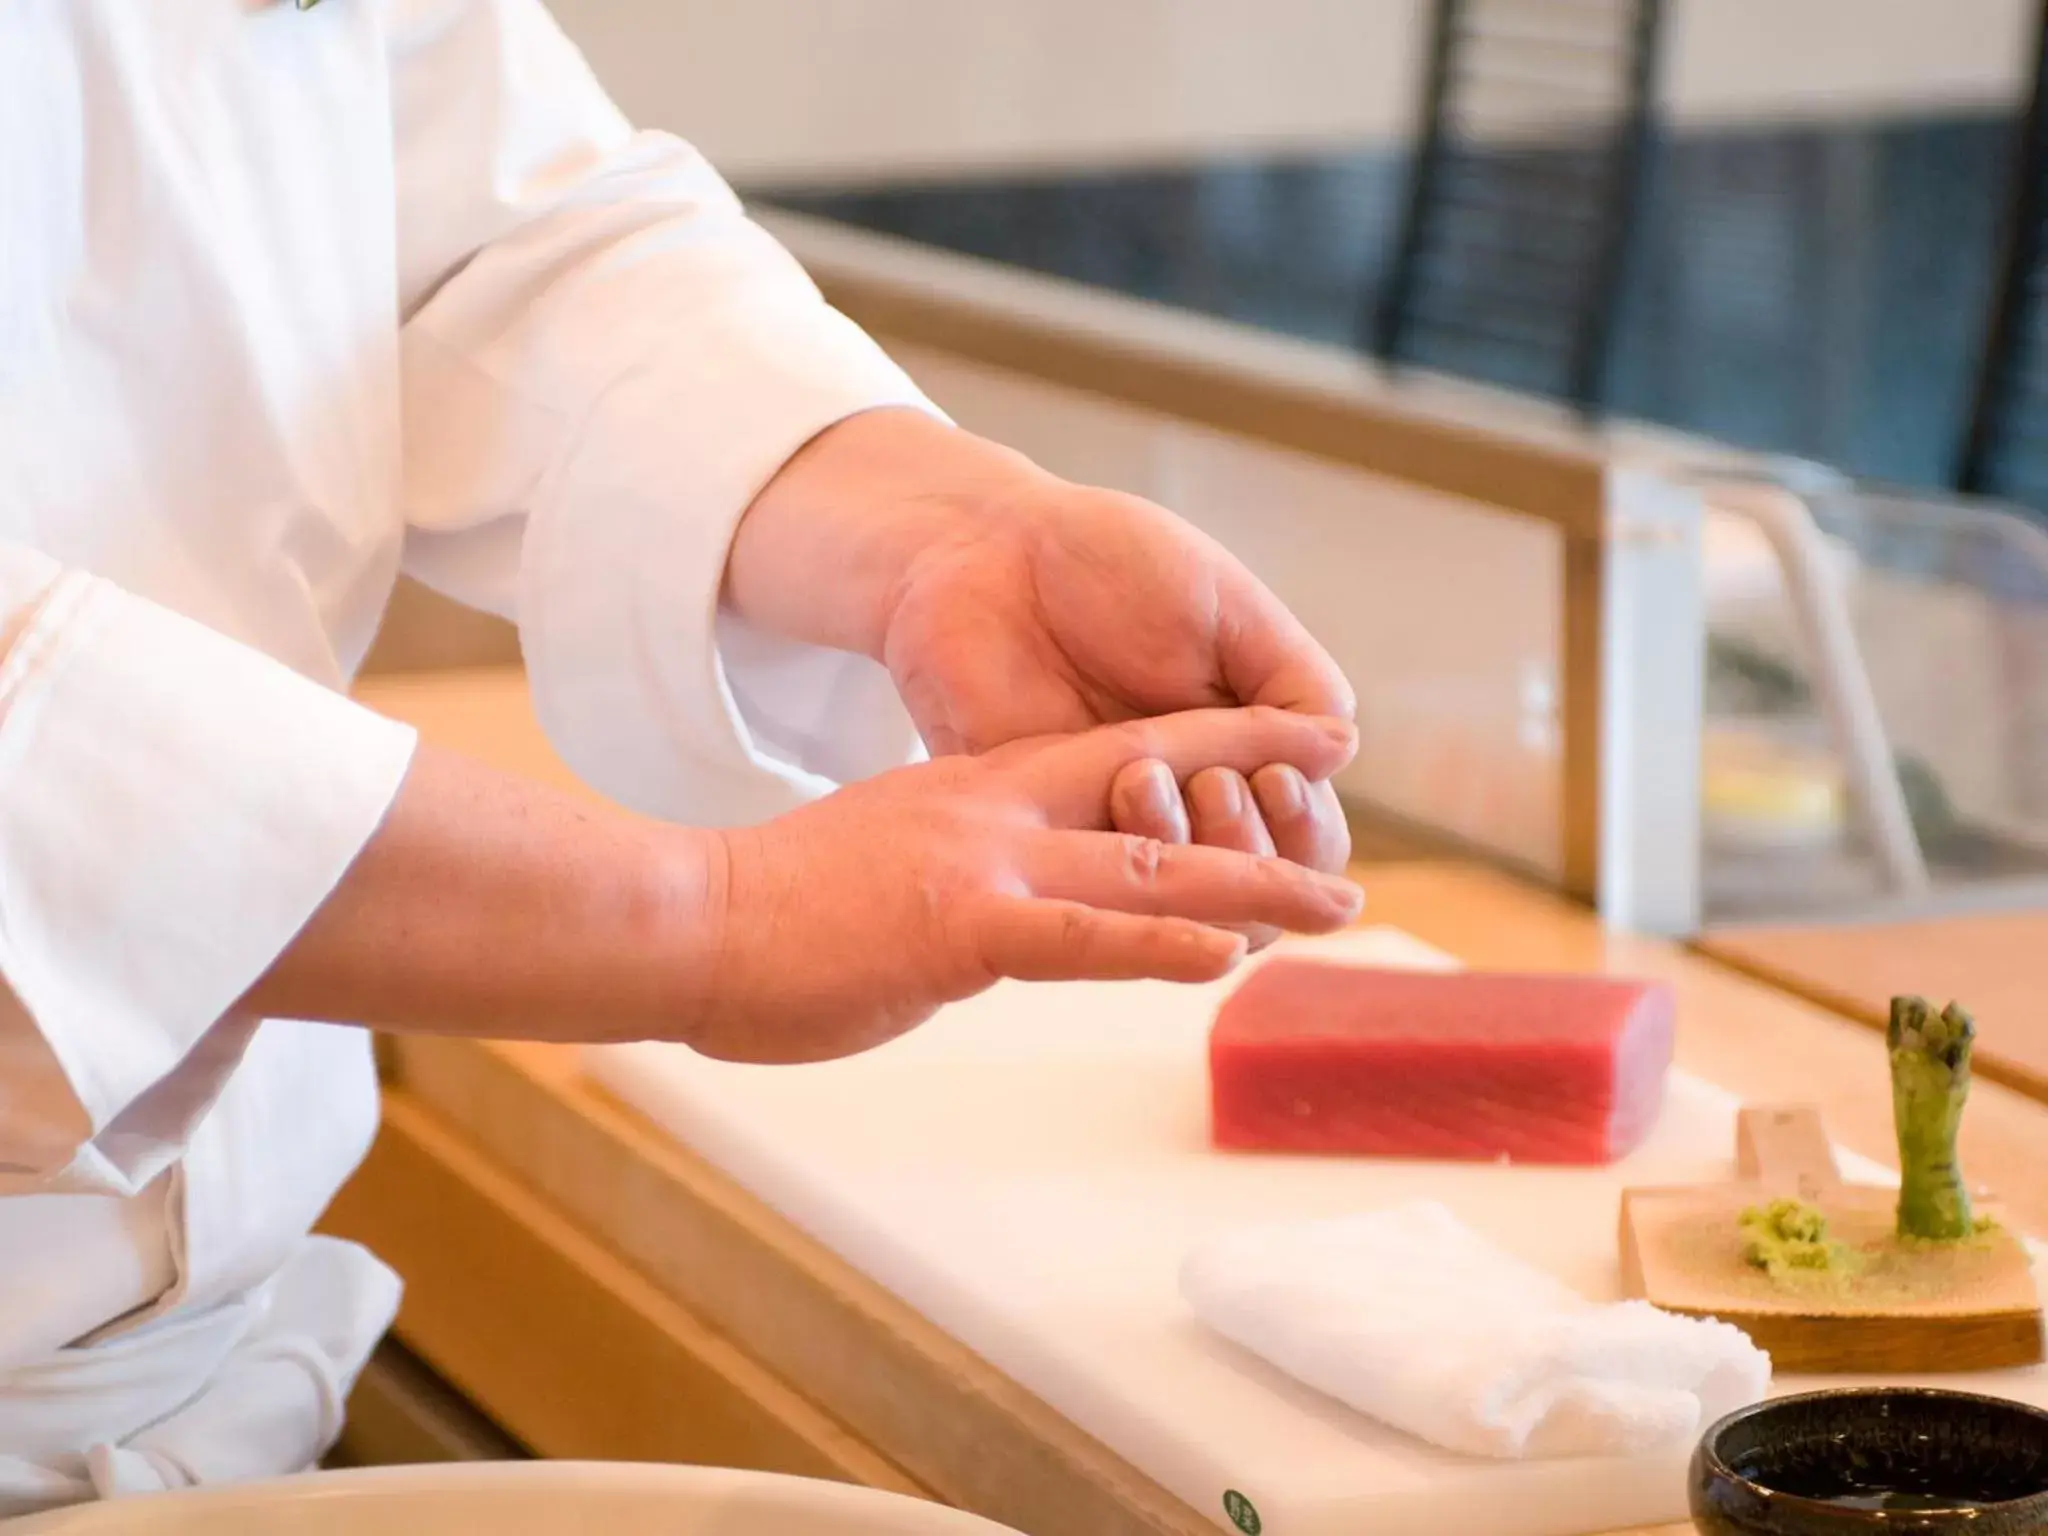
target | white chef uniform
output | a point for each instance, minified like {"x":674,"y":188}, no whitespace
{"x":291,"y":300}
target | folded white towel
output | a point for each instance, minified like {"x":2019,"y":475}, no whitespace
{"x":1410,"y":1316}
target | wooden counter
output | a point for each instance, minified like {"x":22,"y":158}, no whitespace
{"x":1993,"y":963}
{"x":600,"y":1291}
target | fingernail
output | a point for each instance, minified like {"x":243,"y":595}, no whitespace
{"x":1282,"y":792}
{"x":1219,"y":794}
{"x":1344,"y":895}
{"x":1160,"y":796}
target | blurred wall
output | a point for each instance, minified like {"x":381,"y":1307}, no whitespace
{"x":867,"y":89}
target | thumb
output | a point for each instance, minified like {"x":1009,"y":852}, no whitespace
{"x":1265,"y":655}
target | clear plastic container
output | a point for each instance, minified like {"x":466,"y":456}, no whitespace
{"x":1947,"y":599}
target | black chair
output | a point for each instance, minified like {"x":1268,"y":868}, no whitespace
{"x":1523,"y":196}
{"x":2005,"y":445}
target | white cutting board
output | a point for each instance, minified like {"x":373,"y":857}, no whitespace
{"x":1028,"y":1171}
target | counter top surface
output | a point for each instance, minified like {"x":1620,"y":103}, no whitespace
{"x":921,"y":1411}
{"x":1993,"y":963}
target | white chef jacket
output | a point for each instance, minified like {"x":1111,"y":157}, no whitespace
{"x":290,"y":301}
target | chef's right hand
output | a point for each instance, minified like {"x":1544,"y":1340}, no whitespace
{"x":850,"y":921}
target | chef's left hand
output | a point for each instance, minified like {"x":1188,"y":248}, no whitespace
{"x":1008,"y":603}
{"x":1075,"y":607}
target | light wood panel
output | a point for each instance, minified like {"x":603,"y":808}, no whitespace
{"x":401,"y":1413}
{"x":422,"y":631}
{"x":484,"y":712}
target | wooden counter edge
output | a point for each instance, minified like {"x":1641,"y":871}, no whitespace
{"x":626,"y":1372}
{"x":988,"y":1446}
{"x":1734,"y":951}
{"x":401,"y":1414}
{"x":955,"y":1425}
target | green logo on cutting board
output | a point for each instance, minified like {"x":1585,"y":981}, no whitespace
{"x":1241,"y":1513}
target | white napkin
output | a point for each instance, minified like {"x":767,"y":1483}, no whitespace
{"x":1410,"y":1316}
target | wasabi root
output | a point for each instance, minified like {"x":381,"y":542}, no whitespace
{"x":1930,"y":1061}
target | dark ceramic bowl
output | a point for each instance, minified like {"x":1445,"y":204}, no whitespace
{"x":1889,"y":1459}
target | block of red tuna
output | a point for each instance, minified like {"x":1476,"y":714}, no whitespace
{"x":1310,"y":1056}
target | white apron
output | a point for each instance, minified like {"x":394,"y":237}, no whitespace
{"x":253,"y":1387}
{"x":220,"y":1339}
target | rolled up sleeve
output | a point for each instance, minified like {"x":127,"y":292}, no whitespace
{"x":173,"y":808}
{"x":605,"y":361}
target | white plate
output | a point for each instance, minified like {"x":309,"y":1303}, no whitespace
{"x":532,"y":1498}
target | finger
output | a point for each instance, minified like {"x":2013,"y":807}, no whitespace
{"x":1333,"y":828}
{"x":1267,"y":656}
{"x":1145,"y":801}
{"x":1070,"y":941}
{"x":1210,"y":885}
{"x":1069,"y":780}
{"x":1305,"y":820}
{"x":1224,"y":815}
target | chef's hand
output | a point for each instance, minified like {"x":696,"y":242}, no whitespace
{"x":851,"y":920}
{"x":1009,"y":604}
{"x":486,"y":904}
{"x":1274,"y":811}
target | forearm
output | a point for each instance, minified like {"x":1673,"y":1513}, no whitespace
{"x":825,"y":546}
{"x":489,"y":905}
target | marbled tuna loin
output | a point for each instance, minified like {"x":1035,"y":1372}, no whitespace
{"x":1309,"y":1056}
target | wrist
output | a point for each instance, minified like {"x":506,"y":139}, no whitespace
{"x":686,"y":884}
{"x":826,"y":550}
